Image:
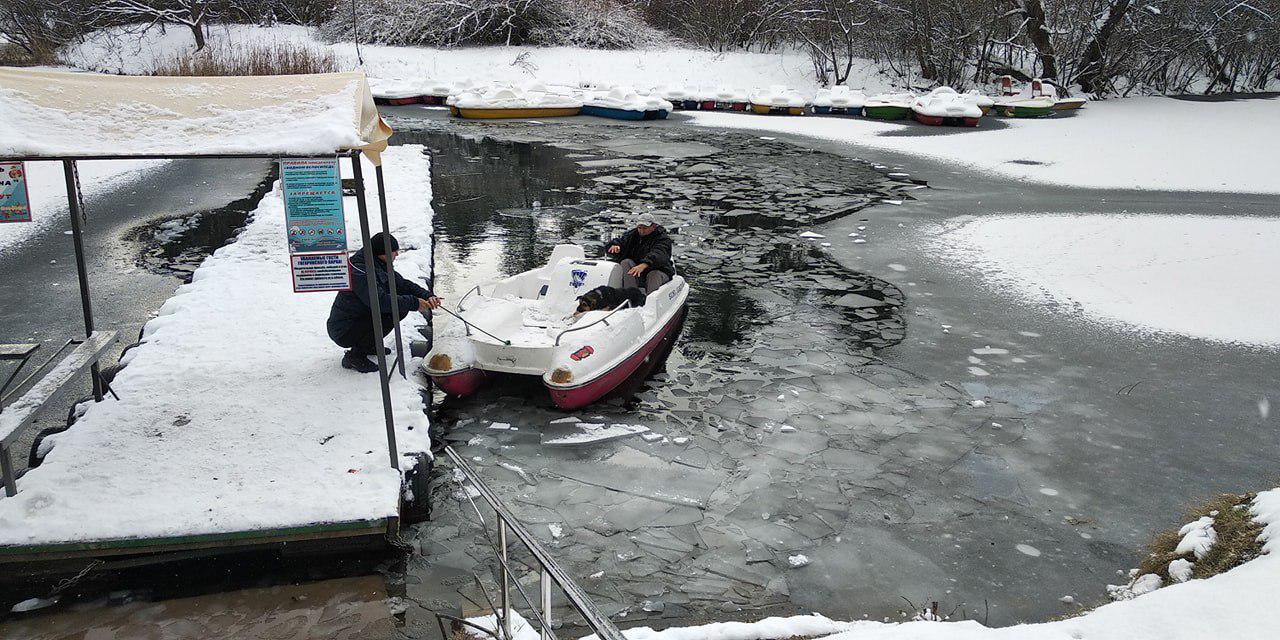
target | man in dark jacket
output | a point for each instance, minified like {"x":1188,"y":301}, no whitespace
{"x":351,"y":321}
{"x":645,"y":252}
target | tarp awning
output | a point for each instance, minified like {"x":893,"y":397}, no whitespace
{"x":55,"y":114}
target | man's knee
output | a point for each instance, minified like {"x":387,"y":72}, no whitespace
{"x":627,"y":264}
{"x":655,"y":280}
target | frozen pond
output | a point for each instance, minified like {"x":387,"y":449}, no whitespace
{"x":778,"y":431}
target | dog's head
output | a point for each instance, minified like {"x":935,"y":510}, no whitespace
{"x":590,"y":301}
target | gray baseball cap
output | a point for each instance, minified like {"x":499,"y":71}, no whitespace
{"x":646,"y":218}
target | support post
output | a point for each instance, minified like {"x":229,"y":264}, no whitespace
{"x":72,"y":175}
{"x":6,"y":470}
{"x":506,"y":579}
{"x":375,"y":308}
{"x":546,"y":604}
{"x":391,"y":282}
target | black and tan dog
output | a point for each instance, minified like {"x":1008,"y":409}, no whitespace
{"x":607,"y":298}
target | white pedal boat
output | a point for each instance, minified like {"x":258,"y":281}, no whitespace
{"x":532,"y":331}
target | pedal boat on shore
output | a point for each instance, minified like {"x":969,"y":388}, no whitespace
{"x":888,"y":106}
{"x":513,"y":101}
{"x":943,"y":106}
{"x":625,"y":103}
{"x":525,"y":325}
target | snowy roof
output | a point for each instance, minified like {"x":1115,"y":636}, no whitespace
{"x":58,"y":114}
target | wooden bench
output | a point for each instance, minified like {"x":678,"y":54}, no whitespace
{"x":16,"y":417}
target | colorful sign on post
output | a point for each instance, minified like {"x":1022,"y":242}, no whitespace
{"x":315,"y":223}
{"x":15,"y":205}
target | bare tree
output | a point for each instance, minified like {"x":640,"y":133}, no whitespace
{"x":192,"y":14}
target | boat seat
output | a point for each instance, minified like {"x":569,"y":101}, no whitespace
{"x":572,"y":278}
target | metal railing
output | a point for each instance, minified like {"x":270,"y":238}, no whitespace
{"x":550,"y":571}
{"x":626,"y":304}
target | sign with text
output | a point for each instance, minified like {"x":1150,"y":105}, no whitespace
{"x":15,"y":206}
{"x":313,"y":205}
{"x":320,"y":272}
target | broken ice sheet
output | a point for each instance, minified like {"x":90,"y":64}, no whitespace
{"x":587,"y":433}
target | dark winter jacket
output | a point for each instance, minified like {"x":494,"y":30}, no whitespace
{"x":349,"y":306}
{"x":653,"y":249}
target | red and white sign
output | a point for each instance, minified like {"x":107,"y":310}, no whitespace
{"x":320,"y":272}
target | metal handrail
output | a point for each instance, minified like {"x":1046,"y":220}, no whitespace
{"x":551,"y":571}
{"x":626,"y":304}
{"x":475,"y":289}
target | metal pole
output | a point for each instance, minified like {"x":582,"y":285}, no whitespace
{"x":506,"y":579}
{"x":391,"y":282}
{"x":6,"y":470}
{"x":86,"y":306}
{"x":375,"y":308}
{"x":546,"y":604}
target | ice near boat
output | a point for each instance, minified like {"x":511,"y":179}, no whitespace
{"x":526,"y":324}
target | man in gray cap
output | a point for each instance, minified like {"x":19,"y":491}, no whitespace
{"x":645,"y":252}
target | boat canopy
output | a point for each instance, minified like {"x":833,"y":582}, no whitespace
{"x":54,"y":114}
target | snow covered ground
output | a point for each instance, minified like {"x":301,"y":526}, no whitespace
{"x":47,"y":188}
{"x":116,"y":51}
{"x":1211,"y":277}
{"x":235,"y":413}
{"x":1132,"y":143}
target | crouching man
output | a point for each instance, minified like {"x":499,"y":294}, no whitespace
{"x":645,"y":254}
{"x":350,"y":320}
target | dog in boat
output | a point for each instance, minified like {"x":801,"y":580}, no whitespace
{"x":606,"y":298}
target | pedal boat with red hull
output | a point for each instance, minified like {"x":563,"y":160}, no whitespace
{"x":526,"y":325}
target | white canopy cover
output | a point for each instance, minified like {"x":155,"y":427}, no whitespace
{"x":60,"y":114}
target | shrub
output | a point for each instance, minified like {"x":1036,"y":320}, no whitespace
{"x":280,"y":58}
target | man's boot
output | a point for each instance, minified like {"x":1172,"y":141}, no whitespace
{"x":358,"y":361}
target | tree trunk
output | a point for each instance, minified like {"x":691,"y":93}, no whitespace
{"x":199,"y":34}
{"x":1038,"y":33}
{"x":1092,"y":75}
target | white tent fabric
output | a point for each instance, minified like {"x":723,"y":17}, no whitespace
{"x":58,"y":114}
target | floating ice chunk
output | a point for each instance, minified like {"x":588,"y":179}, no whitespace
{"x":588,"y":433}
{"x":798,"y":560}
{"x":810,"y":234}
{"x":977,"y":403}
{"x":859,"y":241}
{"x":892,"y":201}
{"x":1264,"y":407}
{"x":991,"y":351}
{"x":786,"y":428}
{"x":1028,"y":550}
{"x":1048,"y":492}
{"x":557,"y":529}
{"x":567,"y":420}
{"x":1067,"y":600}
{"x":680,"y":439}
{"x":978,"y":371}
{"x":651,"y":437}
{"x":1197,"y":538}
{"x":1180,"y":570}
{"x":1029,"y":334}
{"x":896,"y":267}
{"x":975,"y":360}
{"x":32,"y":604}
{"x":501,"y":426}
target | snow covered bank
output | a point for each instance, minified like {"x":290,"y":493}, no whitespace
{"x":1235,"y":605}
{"x":116,"y":51}
{"x":1133,"y":143}
{"x":47,"y":188}
{"x":235,"y":413}
{"x":1210,"y":277}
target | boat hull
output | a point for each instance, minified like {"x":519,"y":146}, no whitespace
{"x":938,"y":121}
{"x":886,"y":112}
{"x":1017,"y":111}
{"x":461,"y":383}
{"x":494,"y":114}
{"x":764,"y":109}
{"x":581,"y":395}
{"x":395,"y":102}
{"x":1068,"y":105}
{"x":624,"y":114}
